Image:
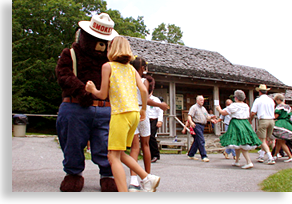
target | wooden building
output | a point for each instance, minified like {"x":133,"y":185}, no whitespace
{"x":181,"y":73}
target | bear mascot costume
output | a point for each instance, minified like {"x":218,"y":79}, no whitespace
{"x":83,"y":117}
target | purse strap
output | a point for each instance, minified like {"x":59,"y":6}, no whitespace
{"x":73,"y":56}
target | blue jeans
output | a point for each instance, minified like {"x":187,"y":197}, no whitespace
{"x":76,"y":126}
{"x":199,"y":142}
{"x":228,"y":151}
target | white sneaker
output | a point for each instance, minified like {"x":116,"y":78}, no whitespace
{"x":260,"y":159}
{"x":288,"y":160}
{"x":151,"y":183}
{"x":270,"y":162}
{"x":236,"y":164}
{"x":248,"y":166}
{"x":205,"y":159}
{"x":194,"y":158}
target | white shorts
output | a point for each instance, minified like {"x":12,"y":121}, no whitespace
{"x":143,"y":128}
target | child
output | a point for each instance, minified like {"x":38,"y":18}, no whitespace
{"x":119,"y":80}
{"x":143,"y":129}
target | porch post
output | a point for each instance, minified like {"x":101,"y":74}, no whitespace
{"x":251,"y":100}
{"x":216,"y":97}
{"x":172,"y":110}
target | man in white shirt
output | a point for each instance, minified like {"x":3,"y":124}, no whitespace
{"x":156,"y":119}
{"x":264,"y":108}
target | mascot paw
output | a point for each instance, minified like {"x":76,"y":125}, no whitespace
{"x":108,"y":185}
{"x":72,"y":183}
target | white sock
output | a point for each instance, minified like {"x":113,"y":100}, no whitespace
{"x":134,"y":181}
{"x":146,"y":178}
{"x":270,"y":155}
{"x":262,"y":153}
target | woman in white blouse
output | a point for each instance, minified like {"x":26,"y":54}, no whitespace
{"x":240,"y":135}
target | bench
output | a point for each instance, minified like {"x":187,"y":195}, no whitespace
{"x":172,"y":146}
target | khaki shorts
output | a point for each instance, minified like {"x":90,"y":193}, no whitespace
{"x":265,"y":129}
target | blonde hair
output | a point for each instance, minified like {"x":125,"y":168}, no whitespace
{"x":280,"y":97}
{"x":120,"y":50}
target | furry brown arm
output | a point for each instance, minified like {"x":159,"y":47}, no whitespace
{"x":69,"y":83}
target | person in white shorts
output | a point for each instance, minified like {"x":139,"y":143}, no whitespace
{"x":143,"y":129}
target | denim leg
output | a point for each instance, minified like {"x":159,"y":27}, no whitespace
{"x":194,"y":148}
{"x":73,"y":128}
{"x":228,"y":151}
{"x":99,"y":139}
{"x":233,"y":152}
{"x":200,"y":140}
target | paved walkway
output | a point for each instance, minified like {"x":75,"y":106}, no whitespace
{"x":37,"y":167}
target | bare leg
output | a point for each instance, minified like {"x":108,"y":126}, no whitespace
{"x":246,"y":156}
{"x":285,"y":148}
{"x":114,"y":157}
{"x":265,"y":146}
{"x":278,"y":147}
{"x":237,"y":152}
{"x":133,"y":165}
{"x":146,"y":153}
{"x":135,"y":149}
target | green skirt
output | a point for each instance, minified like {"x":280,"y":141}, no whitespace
{"x":283,"y":129}
{"x":240,"y":135}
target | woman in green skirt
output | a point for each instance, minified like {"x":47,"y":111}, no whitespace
{"x":240,"y":135}
{"x":283,"y":126}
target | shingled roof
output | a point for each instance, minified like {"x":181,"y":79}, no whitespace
{"x":182,"y":60}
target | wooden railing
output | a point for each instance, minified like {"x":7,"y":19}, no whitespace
{"x":164,"y":129}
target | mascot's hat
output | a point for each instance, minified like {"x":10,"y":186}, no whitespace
{"x":100,"y":26}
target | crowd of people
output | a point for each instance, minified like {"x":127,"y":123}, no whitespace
{"x":274,"y":127}
{"x":108,"y":105}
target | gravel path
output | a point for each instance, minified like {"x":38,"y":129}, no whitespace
{"x":37,"y":167}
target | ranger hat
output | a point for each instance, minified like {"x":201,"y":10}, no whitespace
{"x":100,"y":26}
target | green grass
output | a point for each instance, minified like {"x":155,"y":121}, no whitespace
{"x":278,"y":182}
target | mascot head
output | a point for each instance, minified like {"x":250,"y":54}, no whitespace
{"x":94,"y":35}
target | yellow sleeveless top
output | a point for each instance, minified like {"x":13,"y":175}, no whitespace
{"x":123,"y":88}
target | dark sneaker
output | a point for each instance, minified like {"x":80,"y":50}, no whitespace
{"x":133,"y":188}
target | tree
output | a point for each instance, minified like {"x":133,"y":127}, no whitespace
{"x":171,"y":34}
{"x":40,"y":31}
{"x":129,"y":26}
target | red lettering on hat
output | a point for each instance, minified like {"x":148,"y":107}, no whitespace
{"x":96,"y":26}
{"x":103,"y":29}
